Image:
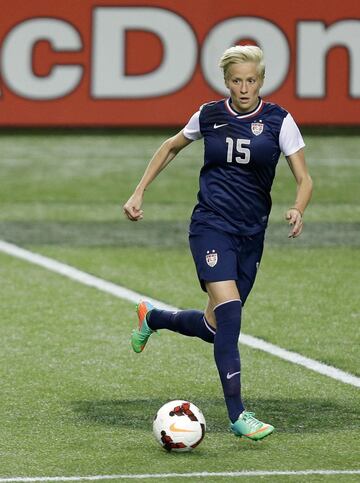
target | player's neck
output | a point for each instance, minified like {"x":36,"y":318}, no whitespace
{"x":244,"y":111}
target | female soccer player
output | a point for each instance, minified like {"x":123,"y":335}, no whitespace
{"x":243,"y":139}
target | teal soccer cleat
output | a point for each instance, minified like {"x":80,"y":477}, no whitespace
{"x":140,"y":336}
{"x":250,"y":427}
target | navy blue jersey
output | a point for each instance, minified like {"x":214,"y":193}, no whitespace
{"x":241,"y":152}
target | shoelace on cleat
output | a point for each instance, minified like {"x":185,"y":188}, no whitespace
{"x":249,"y":419}
{"x":141,"y":335}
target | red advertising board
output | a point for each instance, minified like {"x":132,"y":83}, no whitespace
{"x":153,"y":63}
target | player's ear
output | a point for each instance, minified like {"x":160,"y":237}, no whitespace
{"x":226,"y":81}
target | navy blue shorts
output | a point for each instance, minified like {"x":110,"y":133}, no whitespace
{"x":222,"y":256}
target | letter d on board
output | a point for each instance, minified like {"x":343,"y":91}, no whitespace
{"x":109,"y":79}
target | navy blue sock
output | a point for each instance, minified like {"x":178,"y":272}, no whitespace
{"x":227,"y":356}
{"x":187,"y":322}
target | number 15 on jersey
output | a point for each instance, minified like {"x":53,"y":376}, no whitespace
{"x":241,"y":150}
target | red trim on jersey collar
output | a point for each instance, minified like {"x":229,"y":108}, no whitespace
{"x":247,"y":114}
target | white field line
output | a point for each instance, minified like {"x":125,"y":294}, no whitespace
{"x":205,"y":474}
{"x":130,"y":295}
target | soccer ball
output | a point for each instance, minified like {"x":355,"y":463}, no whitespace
{"x":179,"y":426}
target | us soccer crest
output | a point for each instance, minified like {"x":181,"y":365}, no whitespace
{"x":257,"y":128}
{"x":211,"y":258}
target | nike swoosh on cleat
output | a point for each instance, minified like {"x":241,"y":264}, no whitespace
{"x":229,"y":376}
{"x":180,"y":430}
{"x":216,"y":126}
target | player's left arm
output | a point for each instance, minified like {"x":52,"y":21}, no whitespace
{"x":304,"y":189}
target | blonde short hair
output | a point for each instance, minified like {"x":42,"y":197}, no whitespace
{"x":240,"y":54}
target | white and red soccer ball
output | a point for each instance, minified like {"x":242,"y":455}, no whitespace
{"x":179,"y":426}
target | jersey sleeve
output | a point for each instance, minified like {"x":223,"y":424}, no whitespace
{"x":290,"y":139}
{"x":192,"y":128}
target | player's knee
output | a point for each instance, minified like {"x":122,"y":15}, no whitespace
{"x":210,"y":317}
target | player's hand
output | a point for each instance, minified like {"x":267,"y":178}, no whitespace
{"x":132,"y":208}
{"x":294,"y":217}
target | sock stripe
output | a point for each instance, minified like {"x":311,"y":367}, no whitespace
{"x":208,"y":326}
{"x":227,"y":302}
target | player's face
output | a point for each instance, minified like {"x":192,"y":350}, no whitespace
{"x":244,"y":84}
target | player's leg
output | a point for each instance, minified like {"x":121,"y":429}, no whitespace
{"x":227,"y":310}
{"x":209,"y":314}
{"x":191,"y":323}
{"x":225,"y":299}
{"x":249,"y":257}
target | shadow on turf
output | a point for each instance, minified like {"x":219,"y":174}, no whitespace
{"x":287,"y":415}
{"x":151,"y":234}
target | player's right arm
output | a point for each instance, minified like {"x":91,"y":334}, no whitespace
{"x":162,"y":157}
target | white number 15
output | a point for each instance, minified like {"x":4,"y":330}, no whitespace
{"x":244,"y":157}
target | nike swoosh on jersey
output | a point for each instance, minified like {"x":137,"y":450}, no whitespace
{"x":180,"y":430}
{"x":229,"y":376}
{"x":216,"y":126}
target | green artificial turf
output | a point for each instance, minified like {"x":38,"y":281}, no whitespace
{"x":76,"y":401}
